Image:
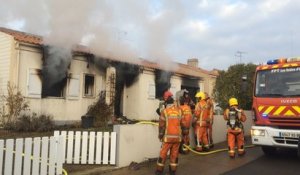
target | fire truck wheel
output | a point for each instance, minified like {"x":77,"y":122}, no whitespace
{"x":269,"y":151}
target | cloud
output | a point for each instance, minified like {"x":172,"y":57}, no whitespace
{"x":231,"y":10}
{"x":196,"y":28}
{"x":165,"y":30}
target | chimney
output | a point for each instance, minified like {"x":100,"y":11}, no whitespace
{"x":193,"y":62}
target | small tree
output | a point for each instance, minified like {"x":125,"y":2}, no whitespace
{"x":101,"y":111}
{"x":13,"y":104}
{"x":229,"y":84}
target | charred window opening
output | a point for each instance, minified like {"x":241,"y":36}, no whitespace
{"x":53,"y":89}
{"x":192,"y":85}
{"x":126,"y":75}
{"x":162,"y":82}
{"x":55,"y":70}
{"x":89,"y":85}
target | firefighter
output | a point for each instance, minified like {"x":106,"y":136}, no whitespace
{"x":170,"y":124}
{"x":188,"y":99}
{"x":210,"y":106}
{"x":162,"y":103}
{"x":234,"y":117}
{"x":186,"y":120}
{"x":201,"y":121}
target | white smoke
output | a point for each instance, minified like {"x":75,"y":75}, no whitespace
{"x":126,"y":29}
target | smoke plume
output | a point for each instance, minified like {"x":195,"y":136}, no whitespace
{"x":125,"y":30}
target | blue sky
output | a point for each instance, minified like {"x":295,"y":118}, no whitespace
{"x":214,"y":31}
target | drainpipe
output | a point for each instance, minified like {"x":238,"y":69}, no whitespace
{"x":18,"y":63}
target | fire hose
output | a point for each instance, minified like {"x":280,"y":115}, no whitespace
{"x":191,"y":149}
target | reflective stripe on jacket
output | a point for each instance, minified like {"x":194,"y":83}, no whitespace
{"x":171,"y":121}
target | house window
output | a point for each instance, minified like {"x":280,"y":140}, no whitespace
{"x":34,"y":83}
{"x":162,"y":82}
{"x":89,"y":85}
{"x":74,"y":86}
{"x":53,"y":89}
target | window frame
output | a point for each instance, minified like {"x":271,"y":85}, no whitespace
{"x":94,"y":86}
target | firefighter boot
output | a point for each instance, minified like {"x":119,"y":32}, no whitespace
{"x":160,"y":166}
{"x":157,"y":172}
{"x":172,"y":170}
{"x":231,"y":153}
{"x":206,"y":148}
{"x":241,"y":151}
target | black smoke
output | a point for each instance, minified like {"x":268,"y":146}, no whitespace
{"x":56,"y":62}
{"x":162,"y":82}
{"x":101,"y":63}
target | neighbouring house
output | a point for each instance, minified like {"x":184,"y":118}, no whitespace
{"x":64,"y":84}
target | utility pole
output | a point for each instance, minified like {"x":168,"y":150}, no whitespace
{"x":239,"y":54}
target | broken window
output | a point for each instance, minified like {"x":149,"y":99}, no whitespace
{"x":74,"y":86}
{"x":34,"y":83}
{"x":89,"y":85}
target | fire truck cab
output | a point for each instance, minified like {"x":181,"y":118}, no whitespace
{"x":276,"y":105}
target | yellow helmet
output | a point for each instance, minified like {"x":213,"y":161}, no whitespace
{"x":200,"y":95}
{"x":233,"y":101}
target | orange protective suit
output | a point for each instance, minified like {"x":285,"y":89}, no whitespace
{"x":170,"y":134}
{"x":235,"y":131}
{"x":210,"y":107}
{"x":186,"y":120}
{"x":201,"y":122}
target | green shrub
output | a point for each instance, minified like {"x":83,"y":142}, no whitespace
{"x":14,"y":103}
{"x":32,"y":122}
{"x":43,"y":123}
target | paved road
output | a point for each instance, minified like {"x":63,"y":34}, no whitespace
{"x":285,"y":162}
{"x":253,"y":163}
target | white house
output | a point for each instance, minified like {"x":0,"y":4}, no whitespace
{"x":64,"y":84}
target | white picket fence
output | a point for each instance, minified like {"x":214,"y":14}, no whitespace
{"x":31,"y":156}
{"x":83,"y":147}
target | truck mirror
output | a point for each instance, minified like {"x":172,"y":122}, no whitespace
{"x":244,"y":77}
{"x":244,"y":85}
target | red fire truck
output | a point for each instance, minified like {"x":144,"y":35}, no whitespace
{"x":276,"y":105}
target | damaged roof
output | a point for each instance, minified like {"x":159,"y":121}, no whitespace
{"x":176,"y":67}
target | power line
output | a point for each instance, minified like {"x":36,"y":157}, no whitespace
{"x":239,"y":54}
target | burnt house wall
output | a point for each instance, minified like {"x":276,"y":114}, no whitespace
{"x":126,"y":76}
